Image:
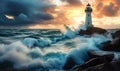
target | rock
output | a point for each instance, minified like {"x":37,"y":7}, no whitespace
{"x":94,"y":62}
{"x":94,"y":54}
{"x":92,"y":30}
{"x":5,"y":65}
{"x":111,"y":66}
{"x":116,"y":34}
{"x":8,"y":66}
{"x":112,"y":46}
{"x":70,"y":63}
{"x":106,"y":43}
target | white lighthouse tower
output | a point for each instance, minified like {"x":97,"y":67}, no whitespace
{"x":88,"y":20}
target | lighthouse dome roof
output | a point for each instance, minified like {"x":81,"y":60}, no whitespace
{"x":88,"y":4}
{"x":88,"y":8}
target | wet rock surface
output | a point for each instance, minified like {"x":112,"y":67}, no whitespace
{"x":92,"y":30}
{"x":116,"y":34}
{"x":70,"y":63}
{"x":103,"y":60}
{"x":8,"y":66}
{"x":110,"y":66}
{"x":112,"y":46}
{"x":94,"y":54}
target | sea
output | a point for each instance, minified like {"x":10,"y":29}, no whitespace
{"x":46,"y":49}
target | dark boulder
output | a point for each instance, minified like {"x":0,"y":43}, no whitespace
{"x":5,"y":65}
{"x":95,"y":54}
{"x":112,"y":46}
{"x":105,"y":43}
{"x":92,"y":63}
{"x":92,"y":30}
{"x":111,"y":66}
{"x":8,"y":66}
{"x":69,"y":64}
{"x":116,"y":34}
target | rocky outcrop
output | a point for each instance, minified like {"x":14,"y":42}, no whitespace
{"x":70,"y":63}
{"x":95,"y":54}
{"x":8,"y":66}
{"x":109,"y":66}
{"x":103,"y":60}
{"x":116,"y":34}
{"x":92,"y":30}
{"x":97,"y":58}
{"x":112,"y":46}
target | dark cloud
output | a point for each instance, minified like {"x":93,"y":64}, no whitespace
{"x":110,"y":10}
{"x":73,"y":2}
{"x":117,"y":2}
{"x":25,"y":11}
{"x":106,"y":8}
{"x":20,"y":20}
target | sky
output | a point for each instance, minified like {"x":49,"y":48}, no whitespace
{"x":36,"y":14}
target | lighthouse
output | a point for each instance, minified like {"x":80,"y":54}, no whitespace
{"x":88,"y":19}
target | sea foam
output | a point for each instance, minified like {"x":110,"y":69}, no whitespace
{"x":29,"y":52}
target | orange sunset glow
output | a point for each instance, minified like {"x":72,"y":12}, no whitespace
{"x":106,"y":13}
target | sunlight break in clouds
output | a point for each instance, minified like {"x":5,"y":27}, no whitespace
{"x":57,"y":2}
{"x":10,"y":17}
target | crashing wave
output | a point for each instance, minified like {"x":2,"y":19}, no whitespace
{"x":29,"y":53}
{"x":69,"y":33}
{"x":31,"y":42}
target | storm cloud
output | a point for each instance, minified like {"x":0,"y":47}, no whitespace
{"x":117,"y":2}
{"x":34,"y":12}
{"x":107,"y":8}
{"x":110,"y":10}
{"x":25,"y":11}
{"x":73,"y":2}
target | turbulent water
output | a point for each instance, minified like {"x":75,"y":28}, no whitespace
{"x":43,"y":50}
